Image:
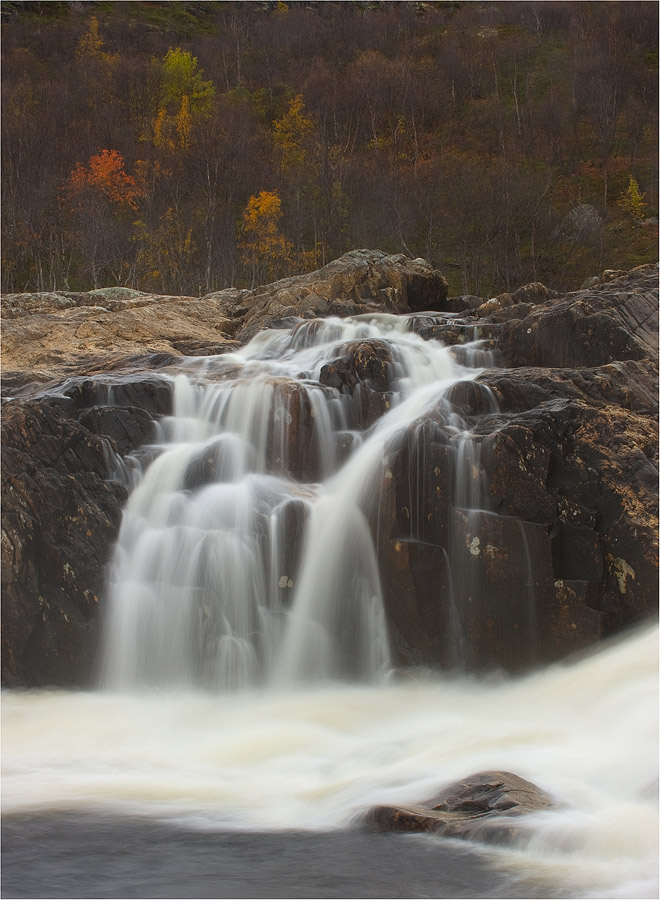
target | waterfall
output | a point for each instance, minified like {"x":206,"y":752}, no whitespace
{"x":254,"y":551}
{"x":249,"y":549}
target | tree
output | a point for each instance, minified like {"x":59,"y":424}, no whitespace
{"x":290,"y":132}
{"x":264,"y":249}
{"x":184,"y":99}
{"x":632,"y":202}
{"x":181,"y":77}
{"x":90,"y":45}
{"x":104,"y":174}
{"x":99,"y":200}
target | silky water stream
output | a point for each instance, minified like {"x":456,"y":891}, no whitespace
{"x":248,"y":711}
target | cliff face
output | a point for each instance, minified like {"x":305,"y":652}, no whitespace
{"x":567,"y":425}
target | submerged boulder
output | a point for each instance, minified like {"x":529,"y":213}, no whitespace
{"x":480,"y":807}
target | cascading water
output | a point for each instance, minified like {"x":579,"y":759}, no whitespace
{"x":252,"y":552}
{"x":246,"y":554}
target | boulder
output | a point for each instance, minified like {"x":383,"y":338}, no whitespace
{"x":359,"y":282}
{"x":483,"y":807}
{"x":364,"y":374}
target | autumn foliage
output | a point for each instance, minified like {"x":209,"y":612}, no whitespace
{"x":185,"y":147}
{"x":264,"y":248}
{"x":105,"y":176}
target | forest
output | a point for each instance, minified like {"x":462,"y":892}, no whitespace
{"x":184,"y":147}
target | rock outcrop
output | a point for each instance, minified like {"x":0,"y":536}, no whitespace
{"x":564,"y":422}
{"x":482,"y":807}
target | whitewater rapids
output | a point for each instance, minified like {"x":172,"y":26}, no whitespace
{"x":314,"y":759}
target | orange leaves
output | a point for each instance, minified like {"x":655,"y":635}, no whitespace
{"x":264,"y":247}
{"x":104,"y":174}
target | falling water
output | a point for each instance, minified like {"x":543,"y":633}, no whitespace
{"x":250,"y":554}
{"x":247,"y":552}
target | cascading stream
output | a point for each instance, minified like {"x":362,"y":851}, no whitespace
{"x":246,"y":554}
{"x":254,"y":551}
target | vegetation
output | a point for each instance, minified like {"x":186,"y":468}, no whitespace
{"x":184,"y":147}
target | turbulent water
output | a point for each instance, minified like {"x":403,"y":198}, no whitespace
{"x":205,"y":589}
{"x":315,"y":758}
{"x":247,"y":677}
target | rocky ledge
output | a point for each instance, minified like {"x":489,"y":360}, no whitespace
{"x":566,"y":413}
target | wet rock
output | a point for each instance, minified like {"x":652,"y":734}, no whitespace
{"x":452,"y":333}
{"x":564,"y":549}
{"x":60,"y":518}
{"x":127,"y":427}
{"x":502,"y":582}
{"x":629,"y":384}
{"x":292,"y":446}
{"x":415,"y":583}
{"x":482,"y":807}
{"x":364,"y":374}
{"x":566,"y":473}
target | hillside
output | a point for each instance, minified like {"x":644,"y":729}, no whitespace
{"x":187,"y":147}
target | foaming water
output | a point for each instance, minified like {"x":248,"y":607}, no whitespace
{"x":246,"y":554}
{"x":316,"y":758}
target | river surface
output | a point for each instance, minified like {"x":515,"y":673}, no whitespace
{"x":258,"y":793}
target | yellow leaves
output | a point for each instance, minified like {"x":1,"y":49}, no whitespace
{"x":174,"y":132}
{"x":161,"y":124}
{"x":184,"y":123}
{"x":632,"y":202}
{"x":290,"y":132}
{"x":179,"y":77}
{"x":185,"y":98}
{"x":90,"y":45}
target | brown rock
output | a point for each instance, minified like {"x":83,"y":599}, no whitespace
{"x":479,"y":807}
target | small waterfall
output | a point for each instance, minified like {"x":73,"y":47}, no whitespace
{"x":249,"y":550}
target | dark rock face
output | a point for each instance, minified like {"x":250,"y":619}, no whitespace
{"x":480,"y":807}
{"x":564,"y":453}
{"x":565,"y":549}
{"x":590,"y":328}
{"x":61,"y":515}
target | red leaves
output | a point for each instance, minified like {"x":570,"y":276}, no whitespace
{"x":104,"y":174}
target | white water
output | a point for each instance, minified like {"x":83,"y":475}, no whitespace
{"x":204,"y":589}
{"x":206,"y":599}
{"x":586,"y":731}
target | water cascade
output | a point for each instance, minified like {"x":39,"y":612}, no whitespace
{"x":249,"y":551}
{"x":266,"y":542}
